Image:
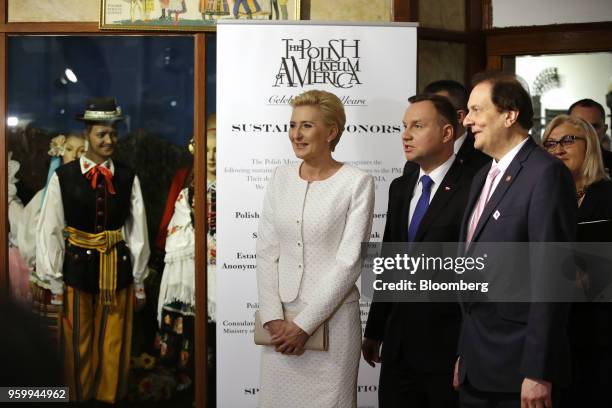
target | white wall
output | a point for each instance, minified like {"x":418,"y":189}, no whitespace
{"x":508,"y":13}
{"x":582,"y":76}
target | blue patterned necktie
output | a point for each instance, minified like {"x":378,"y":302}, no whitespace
{"x":421,"y":207}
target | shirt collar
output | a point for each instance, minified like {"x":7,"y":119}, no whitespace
{"x":438,"y":174}
{"x":87,"y":164}
{"x":505,"y":161}
{"x":459,"y":142}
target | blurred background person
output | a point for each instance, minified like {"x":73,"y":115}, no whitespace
{"x":594,"y":114}
{"x":316,"y":214}
{"x":575,"y":142}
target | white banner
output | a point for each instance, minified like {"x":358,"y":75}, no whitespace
{"x":260,"y":67}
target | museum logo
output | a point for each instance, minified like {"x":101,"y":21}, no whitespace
{"x":304,"y":63}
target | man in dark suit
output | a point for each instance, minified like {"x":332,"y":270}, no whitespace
{"x":511,"y":352}
{"x":419,"y":340}
{"x":593,"y":112}
{"x":464,"y":141}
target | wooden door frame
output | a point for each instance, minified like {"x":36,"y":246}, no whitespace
{"x":547,"y":39}
{"x":477,"y":18}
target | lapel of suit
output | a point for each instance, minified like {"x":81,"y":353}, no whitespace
{"x":464,"y":151}
{"x":440,"y":200}
{"x":477,"y":185}
{"x":588,"y":203}
{"x":504,"y":184}
{"x":411,"y":179}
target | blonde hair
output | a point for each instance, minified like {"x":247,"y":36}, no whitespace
{"x":331,"y":108}
{"x":57,"y":144}
{"x":592,"y":167}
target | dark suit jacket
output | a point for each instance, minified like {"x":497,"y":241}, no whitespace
{"x":422,"y":335}
{"x":606,"y":156}
{"x":591,"y":323}
{"x":467,"y":155}
{"x":502,"y":343}
{"x":597,"y":202}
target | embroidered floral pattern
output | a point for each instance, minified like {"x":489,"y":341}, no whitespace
{"x":56,"y":146}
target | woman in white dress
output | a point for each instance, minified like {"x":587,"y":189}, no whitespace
{"x":315,"y":216}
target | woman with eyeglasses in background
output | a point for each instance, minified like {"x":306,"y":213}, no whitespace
{"x":575,"y":142}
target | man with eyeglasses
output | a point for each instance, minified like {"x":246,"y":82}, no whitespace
{"x":593,"y":113}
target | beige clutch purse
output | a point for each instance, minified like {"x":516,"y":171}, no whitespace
{"x":317,"y":342}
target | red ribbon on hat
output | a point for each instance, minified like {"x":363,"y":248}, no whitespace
{"x":93,"y":174}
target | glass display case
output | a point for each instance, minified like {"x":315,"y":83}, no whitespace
{"x":50,"y":86}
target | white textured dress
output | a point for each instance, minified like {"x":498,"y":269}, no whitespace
{"x":308,"y":260}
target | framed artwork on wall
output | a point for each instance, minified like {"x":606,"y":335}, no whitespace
{"x":190,"y":15}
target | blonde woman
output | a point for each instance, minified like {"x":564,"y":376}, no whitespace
{"x":316,"y":214}
{"x":575,"y":142}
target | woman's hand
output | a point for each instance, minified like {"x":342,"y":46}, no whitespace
{"x":275,"y":327}
{"x":291,"y":339}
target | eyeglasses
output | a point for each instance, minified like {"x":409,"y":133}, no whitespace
{"x":565,"y":141}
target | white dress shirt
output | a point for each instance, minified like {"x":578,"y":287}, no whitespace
{"x":502,"y":165}
{"x":437,"y":175}
{"x":50,"y":242}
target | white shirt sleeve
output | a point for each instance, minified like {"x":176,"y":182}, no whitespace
{"x":26,"y":239}
{"x":50,"y":237}
{"x":137,"y":238}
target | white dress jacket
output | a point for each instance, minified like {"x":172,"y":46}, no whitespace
{"x":308,"y":259}
{"x":309,"y":242}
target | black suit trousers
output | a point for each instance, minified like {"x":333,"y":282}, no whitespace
{"x":402,"y":386}
{"x":470,"y":397}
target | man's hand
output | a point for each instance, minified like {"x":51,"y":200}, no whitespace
{"x":57,"y":299}
{"x":371,"y":351}
{"x":456,"y":384}
{"x":291,"y":339}
{"x":536,"y":394}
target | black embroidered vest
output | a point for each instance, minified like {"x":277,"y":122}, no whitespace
{"x":94,"y":210}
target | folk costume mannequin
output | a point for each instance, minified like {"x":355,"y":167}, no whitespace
{"x":92,"y":245}
{"x":18,"y":271}
{"x":176,"y":303}
{"x":24,"y":220}
{"x":211,"y":221}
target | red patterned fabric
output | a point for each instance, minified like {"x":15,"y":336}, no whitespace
{"x":177,"y":185}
